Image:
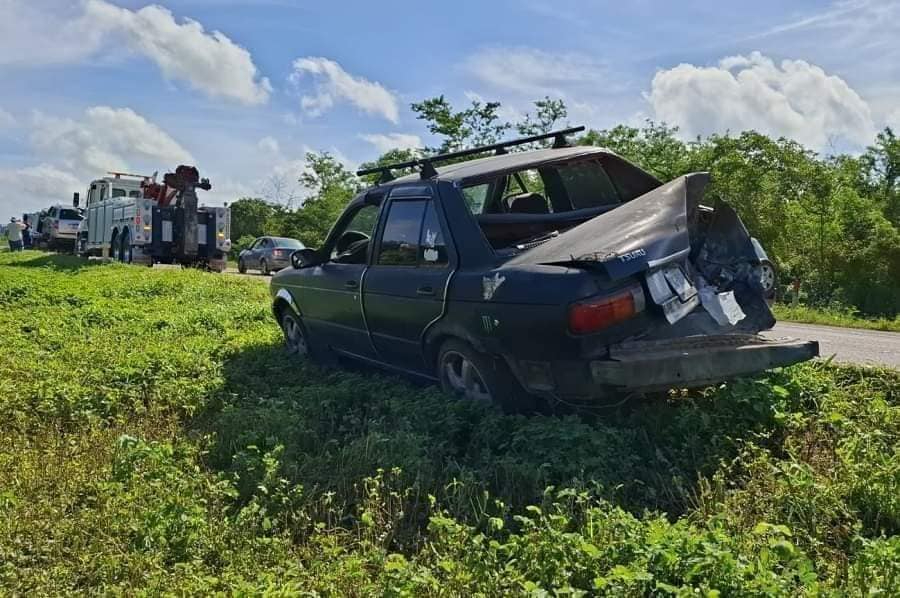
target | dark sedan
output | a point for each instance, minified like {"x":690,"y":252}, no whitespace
{"x":268,"y":254}
{"x":564,"y":273}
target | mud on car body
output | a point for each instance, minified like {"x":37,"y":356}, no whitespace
{"x":565,"y":273}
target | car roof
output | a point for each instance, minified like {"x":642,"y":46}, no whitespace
{"x":473,"y":169}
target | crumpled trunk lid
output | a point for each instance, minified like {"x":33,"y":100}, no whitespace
{"x":646,"y":232}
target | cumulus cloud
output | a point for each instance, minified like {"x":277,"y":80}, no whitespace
{"x":105,"y":139}
{"x":207,"y":61}
{"x":333,"y":84}
{"x":532,"y":72}
{"x":384,"y":143}
{"x":35,"y":187}
{"x":794,"y":99}
{"x":269,"y":145}
{"x":41,"y":32}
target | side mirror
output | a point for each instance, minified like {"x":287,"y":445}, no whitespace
{"x":304,"y":258}
{"x":75,"y":199}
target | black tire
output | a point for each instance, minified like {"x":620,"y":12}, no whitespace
{"x":485,"y":378}
{"x":114,"y":247}
{"x":313,"y":352}
{"x":296,"y":340}
{"x":264,"y":266}
{"x":125,"y":251}
{"x":242,"y":267}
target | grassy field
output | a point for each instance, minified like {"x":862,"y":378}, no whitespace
{"x":155,"y":439}
{"x":833,"y":317}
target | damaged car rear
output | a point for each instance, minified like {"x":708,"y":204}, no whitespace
{"x":565,"y":273}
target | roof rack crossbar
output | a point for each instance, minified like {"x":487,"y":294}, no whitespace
{"x":427,"y":164}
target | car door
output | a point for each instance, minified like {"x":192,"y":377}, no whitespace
{"x":262,"y":248}
{"x":329,"y":294}
{"x":404,"y":286}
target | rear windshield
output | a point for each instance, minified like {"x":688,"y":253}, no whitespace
{"x":288,"y":243}
{"x":69,"y":214}
{"x":522,"y":207}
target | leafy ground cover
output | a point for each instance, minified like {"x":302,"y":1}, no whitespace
{"x":155,"y":439}
{"x":833,"y":317}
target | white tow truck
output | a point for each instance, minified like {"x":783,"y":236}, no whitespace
{"x":133,"y":219}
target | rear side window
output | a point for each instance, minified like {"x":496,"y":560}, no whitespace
{"x":432,"y":246}
{"x":400,"y":240}
{"x":68,"y":214}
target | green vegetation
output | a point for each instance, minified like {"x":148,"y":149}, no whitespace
{"x":833,"y":317}
{"x":156,"y":439}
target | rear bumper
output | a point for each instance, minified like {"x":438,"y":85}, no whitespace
{"x":696,"y":361}
{"x":647,"y":366}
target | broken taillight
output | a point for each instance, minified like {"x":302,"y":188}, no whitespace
{"x":602,"y":312}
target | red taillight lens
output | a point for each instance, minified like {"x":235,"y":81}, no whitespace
{"x":278,"y":253}
{"x":597,"y":314}
{"x":55,"y":224}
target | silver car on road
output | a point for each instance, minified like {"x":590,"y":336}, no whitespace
{"x":268,"y":254}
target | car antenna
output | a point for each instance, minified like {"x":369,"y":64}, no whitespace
{"x":426,"y":165}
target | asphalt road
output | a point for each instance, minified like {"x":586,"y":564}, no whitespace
{"x":848,"y":345}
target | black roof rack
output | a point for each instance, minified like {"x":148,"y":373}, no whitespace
{"x":427,"y":164}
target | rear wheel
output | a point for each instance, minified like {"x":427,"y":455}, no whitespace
{"x":467,"y":373}
{"x":125,"y":255}
{"x":264,"y":266}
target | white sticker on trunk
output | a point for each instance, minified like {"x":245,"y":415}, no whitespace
{"x":490,"y":285}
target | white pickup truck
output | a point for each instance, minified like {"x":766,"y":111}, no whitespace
{"x":132,"y":219}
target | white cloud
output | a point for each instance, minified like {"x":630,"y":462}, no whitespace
{"x":793,"y":99}
{"x":41,"y":32}
{"x":105,"y":139}
{"x":533,"y":73}
{"x":269,"y":145}
{"x":384,"y":143}
{"x":35,"y":187}
{"x":207,"y":61}
{"x":333,"y":84}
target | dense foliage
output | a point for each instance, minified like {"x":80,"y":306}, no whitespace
{"x":156,"y":439}
{"x":832,"y":223}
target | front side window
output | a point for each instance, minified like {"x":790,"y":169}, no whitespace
{"x":400,"y":240}
{"x":351,"y":245}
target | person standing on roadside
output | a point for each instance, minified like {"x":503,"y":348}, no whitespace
{"x":14,"y":234}
{"x":26,"y":233}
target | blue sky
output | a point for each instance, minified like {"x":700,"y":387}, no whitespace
{"x":244,"y":88}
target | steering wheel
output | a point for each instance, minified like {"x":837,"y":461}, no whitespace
{"x":350,"y":241}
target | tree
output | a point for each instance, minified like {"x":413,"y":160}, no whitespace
{"x":331,"y":186}
{"x":477,"y":125}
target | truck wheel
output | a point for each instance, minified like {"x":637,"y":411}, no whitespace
{"x":264,"y":266}
{"x":466,"y":373}
{"x":125,"y":255}
{"x":242,"y":267}
{"x":114,"y":247}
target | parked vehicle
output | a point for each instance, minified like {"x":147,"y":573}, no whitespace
{"x":565,"y":273}
{"x":134,"y":219}
{"x":268,"y":254}
{"x":56,"y":228}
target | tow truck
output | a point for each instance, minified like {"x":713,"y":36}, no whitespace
{"x":132,"y":218}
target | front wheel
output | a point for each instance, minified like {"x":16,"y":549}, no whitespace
{"x":295,"y":339}
{"x":469,"y":374}
{"x":242,"y":267}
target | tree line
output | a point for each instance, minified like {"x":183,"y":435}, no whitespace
{"x":829,"y":222}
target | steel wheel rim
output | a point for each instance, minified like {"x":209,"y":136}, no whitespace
{"x":462,"y":378}
{"x":293,"y":337}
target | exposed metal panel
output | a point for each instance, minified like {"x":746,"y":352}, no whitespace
{"x":166,"y":231}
